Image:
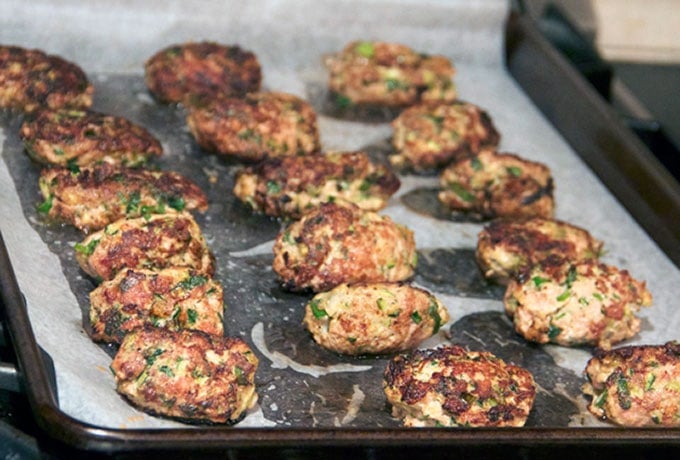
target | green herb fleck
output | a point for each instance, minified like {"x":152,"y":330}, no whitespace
{"x":273,"y":187}
{"x":538,"y":281}
{"x":462,"y":192}
{"x":514,"y":171}
{"x":46,"y":206}
{"x":564,"y":296}
{"x":476,"y":164}
{"x":192,"y":316}
{"x":415,"y":316}
{"x":166,"y":370}
{"x":365,"y":49}
{"x":649,"y":383}
{"x":601,"y":399}
{"x":434,"y":314}
{"x":553,"y":331}
{"x":152,"y":357}
{"x":177,"y":203}
{"x":192,"y":282}
{"x":623,"y":392}
{"x":316,"y":311}
{"x":86,"y":249}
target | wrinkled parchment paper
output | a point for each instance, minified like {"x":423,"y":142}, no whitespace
{"x":300,"y":384}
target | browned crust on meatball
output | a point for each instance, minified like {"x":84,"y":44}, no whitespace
{"x":576,"y":303}
{"x":373,"y":318}
{"x":174,"y":298}
{"x":388,"y":74}
{"x":196,"y":72}
{"x":256,"y":126}
{"x":293,"y":185}
{"x":509,"y":249}
{"x":30,"y":80}
{"x":96,"y":196}
{"x":431,"y":135}
{"x":186,"y":375}
{"x":451,"y":386}
{"x":342,"y":244}
{"x":636,"y":385}
{"x":153,"y":242}
{"x":495,"y":184}
{"x":81,"y":138}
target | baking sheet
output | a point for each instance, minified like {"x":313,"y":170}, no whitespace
{"x":299,"y":384}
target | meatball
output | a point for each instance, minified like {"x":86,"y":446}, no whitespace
{"x":80,"y":138}
{"x":430,"y":135}
{"x":373,"y":318}
{"x":342,"y":244}
{"x":451,"y":386}
{"x":95,"y":196}
{"x":186,"y":375}
{"x":31,"y":80}
{"x":150,"y":242}
{"x":256,"y":126}
{"x":197,"y":72}
{"x":175,"y":298}
{"x":388,"y":74}
{"x":636,"y":385}
{"x":576,"y":303}
{"x":509,"y":249}
{"x":498,"y":185}
{"x":290,"y":186}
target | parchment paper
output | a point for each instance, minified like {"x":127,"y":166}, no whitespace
{"x":299,"y":383}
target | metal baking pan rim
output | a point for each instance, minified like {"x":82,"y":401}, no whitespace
{"x":66,"y":429}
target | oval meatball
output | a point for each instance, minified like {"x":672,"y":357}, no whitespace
{"x":31,"y":80}
{"x":343,"y":244}
{"x":373,"y":318}
{"x":431,"y":135}
{"x":198,"y":72}
{"x":636,"y":385}
{"x":508,"y":249}
{"x":257,"y":126}
{"x":576,"y":303}
{"x":388,"y":74}
{"x":81,"y":138}
{"x":290,"y":186}
{"x":498,"y":185}
{"x":153,"y":242}
{"x":96,"y":196}
{"x":174,"y":298}
{"x":451,"y":386}
{"x":186,"y":375}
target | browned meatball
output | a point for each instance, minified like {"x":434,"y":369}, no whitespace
{"x":451,"y":386}
{"x":175,"y":298}
{"x":509,"y":249}
{"x":95,"y":196}
{"x":388,"y":74}
{"x":430,"y":135}
{"x":373,"y":318}
{"x":197,"y":72}
{"x":576,"y":303}
{"x":292,"y":185}
{"x":636,"y":385}
{"x":342,"y":244}
{"x":257,"y":126}
{"x":186,"y":375}
{"x":80,"y":138}
{"x":498,"y":185}
{"x":152,"y":242}
{"x":31,"y":80}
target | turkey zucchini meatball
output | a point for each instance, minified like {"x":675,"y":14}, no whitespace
{"x":388,"y":74}
{"x":508,"y":249}
{"x":498,"y":185}
{"x":186,"y":375}
{"x":290,"y":186}
{"x":197,"y":72}
{"x":430,"y":135}
{"x":337,"y":244}
{"x":80,"y":138}
{"x":174,"y":298}
{"x":93,"y":197}
{"x":451,"y":386}
{"x":576,"y":303}
{"x":373,"y":318}
{"x":31,"y":80}
{"x":636,"y":385}
{"x":151,"y":242}
{"x":256,"y":126}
